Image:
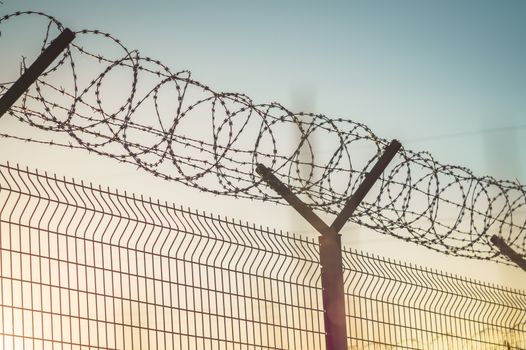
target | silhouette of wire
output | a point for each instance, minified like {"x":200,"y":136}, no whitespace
{"x":179,"y":129}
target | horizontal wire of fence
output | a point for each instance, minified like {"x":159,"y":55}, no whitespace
{"x":87,"y":267}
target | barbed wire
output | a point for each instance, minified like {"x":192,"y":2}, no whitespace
{"x":179,"y":129}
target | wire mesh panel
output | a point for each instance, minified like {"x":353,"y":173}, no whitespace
{"x":391,"y":305}
{"x":85,"y":267}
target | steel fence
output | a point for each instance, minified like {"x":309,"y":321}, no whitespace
{"x":87,"y":267}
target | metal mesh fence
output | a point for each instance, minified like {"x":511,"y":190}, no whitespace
{"x":391,"y":305}
{"x":90,"y":268}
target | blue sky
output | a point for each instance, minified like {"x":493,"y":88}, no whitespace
{"x":444,"y":76}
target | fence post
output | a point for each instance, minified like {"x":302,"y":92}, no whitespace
{"x":333,"y":293}
{"x":33,"y":72}
{"x":510,"y":253}
{"x":330,"y":245}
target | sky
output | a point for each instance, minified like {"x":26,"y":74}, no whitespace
{"x":448,"y":77}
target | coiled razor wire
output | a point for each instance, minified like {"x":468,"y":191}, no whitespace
{"x":179,"y":129}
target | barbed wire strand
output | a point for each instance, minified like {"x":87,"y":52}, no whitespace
{"x":179,"y":129}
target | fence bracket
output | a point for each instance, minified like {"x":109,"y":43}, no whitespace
{"x":35,"y":70}
{"x":330,"y":245}
{"x":510,"y":253}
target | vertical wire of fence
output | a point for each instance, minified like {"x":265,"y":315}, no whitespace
{"x":87,"y":267}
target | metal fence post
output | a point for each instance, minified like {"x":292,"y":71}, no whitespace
{"x":330,"y":245}
{"x":333,"y":294}
{"x":510,"y":253}
{"x":33,"y":72}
